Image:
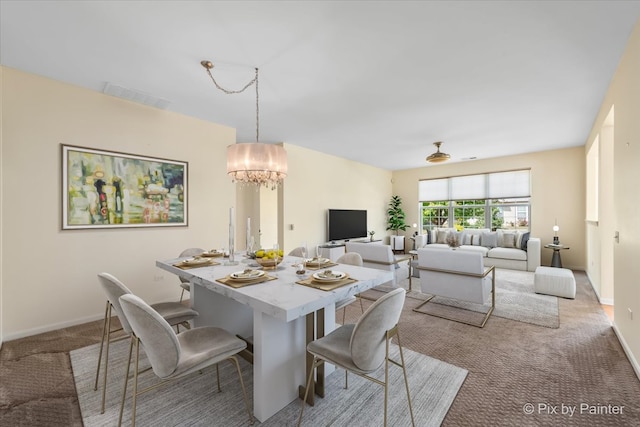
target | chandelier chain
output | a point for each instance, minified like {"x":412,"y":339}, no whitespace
{"x":231,"y":92}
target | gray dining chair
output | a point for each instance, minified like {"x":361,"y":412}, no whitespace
{"x":173,"y":312}
{"x":297,"y":251}
{"x":175,"y":356}
{"x":363,"y":347}
{"x":351,"y":258}
{"x":184,"y":283}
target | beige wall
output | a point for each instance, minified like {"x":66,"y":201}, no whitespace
{"x":318,"y":182}
{"x":624,"y":96}
{"x":48,"y":276}
{"x":557,"y":192}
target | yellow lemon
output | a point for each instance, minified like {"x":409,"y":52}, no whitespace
{"x":260,"y":253}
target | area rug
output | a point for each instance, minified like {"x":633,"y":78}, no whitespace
{"x":195,"y":401}
{"x":515,"y":300}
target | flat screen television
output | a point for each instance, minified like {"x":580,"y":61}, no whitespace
{"x":345,"y":224}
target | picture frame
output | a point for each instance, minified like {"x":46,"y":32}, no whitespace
{"x":104,"y":189}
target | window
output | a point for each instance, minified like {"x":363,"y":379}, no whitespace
{"x":494,"y":200}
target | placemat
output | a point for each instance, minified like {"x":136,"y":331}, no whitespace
{"x":321,"y":266}
{"x":326,"y":286}
{"x":182,"y":266}
{"x":235,"y":284}
{"x":211,"y":255}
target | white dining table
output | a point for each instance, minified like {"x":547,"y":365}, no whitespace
{"x":276,"y":316}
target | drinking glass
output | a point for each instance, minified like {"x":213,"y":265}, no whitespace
{"x":318,"y":252}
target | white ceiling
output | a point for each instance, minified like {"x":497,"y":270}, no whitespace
{"x":373,"y":81}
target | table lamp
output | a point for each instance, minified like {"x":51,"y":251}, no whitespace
{"x":556,"y":240}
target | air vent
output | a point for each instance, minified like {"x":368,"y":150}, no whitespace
{"x":135,"y":96}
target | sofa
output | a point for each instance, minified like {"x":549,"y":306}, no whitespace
{"x":509,"y":249}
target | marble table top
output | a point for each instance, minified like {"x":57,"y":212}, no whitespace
{"x":281,"y":298}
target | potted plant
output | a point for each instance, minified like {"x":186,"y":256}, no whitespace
{"x":396,"y":222}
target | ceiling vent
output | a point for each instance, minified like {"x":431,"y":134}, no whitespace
{"x":135,"y":96}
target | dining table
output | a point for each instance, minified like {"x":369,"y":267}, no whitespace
{"x":278,"y":317}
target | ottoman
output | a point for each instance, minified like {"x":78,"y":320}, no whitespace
{"x":554,"y":281}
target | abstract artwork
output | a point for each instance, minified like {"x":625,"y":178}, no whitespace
{"x":105,"y":189}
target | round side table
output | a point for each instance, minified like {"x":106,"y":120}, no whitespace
{"x":556,"y":261}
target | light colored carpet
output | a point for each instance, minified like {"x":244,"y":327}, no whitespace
{"x":195,"y":401}
{"x":515,"y":300}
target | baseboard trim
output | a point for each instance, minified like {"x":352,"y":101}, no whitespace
{"x":606,"y":301}
{"x":50,"y":327}
{"x":627,"y":351}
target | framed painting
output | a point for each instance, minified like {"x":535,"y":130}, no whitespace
{"x":106,"y":189}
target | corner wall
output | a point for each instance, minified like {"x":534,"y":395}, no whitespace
{"x":624,"y":95}
{"x":48,"y":276}
{"x":557,"y":192}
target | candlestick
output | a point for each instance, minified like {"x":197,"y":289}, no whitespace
{"x":249,"y":244}
{"x":232,"y":233}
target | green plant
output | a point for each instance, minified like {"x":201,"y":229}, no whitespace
{"x":396,"y":216}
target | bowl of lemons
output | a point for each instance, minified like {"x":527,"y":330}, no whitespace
{"x":269,"y":258}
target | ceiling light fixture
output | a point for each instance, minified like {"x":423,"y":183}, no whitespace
{"x":438,"y":157}
{"x":253,"y":162}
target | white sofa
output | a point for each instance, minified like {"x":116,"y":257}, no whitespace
{"x":381,"y":257}
{"x":493,"y":248}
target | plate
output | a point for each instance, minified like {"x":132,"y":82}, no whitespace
{"x":318,"y":261}
{"x":247,"y":274}
{"x":212,"y":253}
{"x":329,"y":276}
{"x":195,"y":261}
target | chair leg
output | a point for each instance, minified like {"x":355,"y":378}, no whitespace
{"x":386,"y":380}
{"x":306,"y":390}
{"x":181,"y":294}
{"x":361,"y":306}
{"x":134,"y":396}
{"x":344,"y":313}
{"x":406,"y":381}
{"x":106,"y":360}
{"x":218,"y":375}
{"x":244,"y":391}
{"x":126,"y":381}
{"x":104,"y":332}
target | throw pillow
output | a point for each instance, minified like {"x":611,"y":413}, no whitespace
{"x":441,"y":236}
{"x":489,"y":240}
{"x":467,"y":239}
{"x":475,"y":239}
{"x":524,"y":240}
{"x":508,"y":240}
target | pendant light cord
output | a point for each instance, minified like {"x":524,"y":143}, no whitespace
{"x":209,"y":65}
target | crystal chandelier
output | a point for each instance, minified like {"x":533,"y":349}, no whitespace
{"x":253,"y":162}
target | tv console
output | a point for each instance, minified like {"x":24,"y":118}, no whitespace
{"x":334,"y":250}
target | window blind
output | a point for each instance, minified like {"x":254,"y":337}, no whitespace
{"x":433,"y":190}
{"x":497,"y":185}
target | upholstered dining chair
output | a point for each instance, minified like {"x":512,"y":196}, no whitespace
{"x":351,"y":258}
{"x":184,"y":283}
{"x":174,"y":356}
{"x":297,"y":251}
{"x":174,"y":312}
{"x":363,"y":347}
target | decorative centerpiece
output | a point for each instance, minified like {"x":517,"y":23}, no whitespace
{"x":453,"y":240}
{"x":268,"y":258}
{"x":371,"y":233}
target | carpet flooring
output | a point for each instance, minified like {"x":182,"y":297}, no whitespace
{"x":195,"y":400}
{"x":510,"y":364}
